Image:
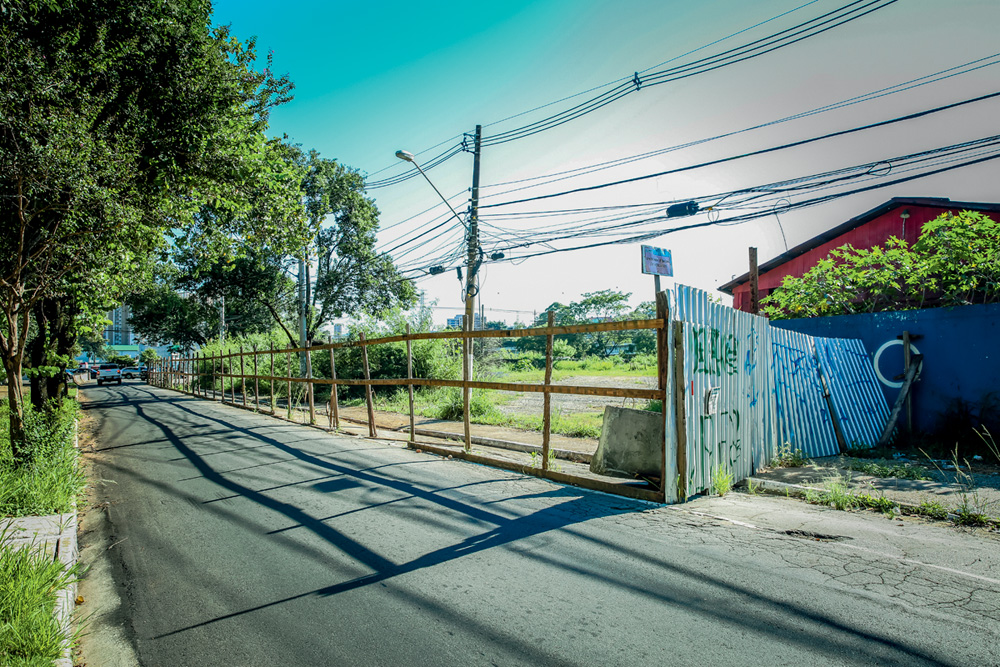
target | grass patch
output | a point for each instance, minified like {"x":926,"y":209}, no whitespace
{"x":30,"y":581}
{"x":50,"y":478}
{"x":447,"y":403}
{"x":896,"y":470}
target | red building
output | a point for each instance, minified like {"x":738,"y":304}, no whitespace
{"x":902,"y":217}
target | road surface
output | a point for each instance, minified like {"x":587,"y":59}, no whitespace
{"x":238,"y":539}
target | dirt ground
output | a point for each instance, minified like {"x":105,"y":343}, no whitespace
{"x":531,"y":402}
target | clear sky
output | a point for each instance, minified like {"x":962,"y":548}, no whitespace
{"x":372,"y":78}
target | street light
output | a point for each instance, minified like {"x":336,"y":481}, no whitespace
{"x":407,"y":156}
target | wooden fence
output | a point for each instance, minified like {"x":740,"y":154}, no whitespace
{"x":186,"y":374}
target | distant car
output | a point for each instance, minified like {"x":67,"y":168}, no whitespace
{"x":108,"y":373}
{"x":130,"y":372}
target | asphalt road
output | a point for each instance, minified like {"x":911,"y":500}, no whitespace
{"x":237,"y":539}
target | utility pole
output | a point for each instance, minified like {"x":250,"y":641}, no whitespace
{"x":471,"y":270}
{"x":754,"y":287}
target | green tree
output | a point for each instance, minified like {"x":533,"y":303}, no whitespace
{"x":148,"y":356}
{"x":956,"y":261}
{"x":119,"y":121}
{"x":351,"y":278}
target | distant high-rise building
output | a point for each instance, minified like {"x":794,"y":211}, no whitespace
{"x":119,"y":332}
{"x":457,"y":322}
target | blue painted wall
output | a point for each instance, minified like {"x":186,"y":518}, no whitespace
{"x":961,"y":348}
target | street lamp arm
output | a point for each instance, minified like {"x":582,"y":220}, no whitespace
{"x":408,"y":157}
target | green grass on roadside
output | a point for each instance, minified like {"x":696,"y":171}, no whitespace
{"x":30,"y":635}
{"x":885,"y":469}
{"x":446,"y":403}
{"x":50,"y":479}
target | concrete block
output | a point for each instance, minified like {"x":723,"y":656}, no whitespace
{"x":631,"y":443}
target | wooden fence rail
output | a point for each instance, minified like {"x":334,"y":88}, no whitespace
{"x":189,"y":373}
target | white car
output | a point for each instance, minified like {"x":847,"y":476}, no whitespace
{"x":130,"y":372}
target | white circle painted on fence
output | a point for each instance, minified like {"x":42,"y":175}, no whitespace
{"x":878,"y":355}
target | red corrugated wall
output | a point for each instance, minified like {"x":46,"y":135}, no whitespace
{"x":873,"y":233}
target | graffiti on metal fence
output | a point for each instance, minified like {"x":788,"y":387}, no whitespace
{"x":715,"y":353}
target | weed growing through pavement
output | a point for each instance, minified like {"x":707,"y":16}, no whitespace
{"x":786,"y":457}
{"x":536,"y":460}
{"x":722,"y":479}
{"x":972,"y":508}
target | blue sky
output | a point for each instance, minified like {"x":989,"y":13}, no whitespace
{"x":372,"y":78}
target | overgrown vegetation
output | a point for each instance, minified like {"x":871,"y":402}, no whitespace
{"x":48,"y":477}
{"x":956,"y":261}
{"x":786,"y":457}
{"x":30,"y":581}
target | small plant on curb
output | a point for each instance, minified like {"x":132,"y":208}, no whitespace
{"x":786,"y":457}
{"x":722,"y":480}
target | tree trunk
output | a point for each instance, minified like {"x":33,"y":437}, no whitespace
{"x":38,"y":354}
{"x":61,"y":314}
{"x":15,"y":403}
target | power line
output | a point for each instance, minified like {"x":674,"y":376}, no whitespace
{"x":628,"y":85}
{"x":927,"y":79}
{"x":802,"y":142}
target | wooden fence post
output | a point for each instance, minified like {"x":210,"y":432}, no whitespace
{"x":243,"y":379}
{"x":369,"y":398}
{"x":409,"y":376}
{"x":288,"y":363}
{"x":334,"y":407}
{"x":270,"y":348}
{"x":663,"y":370}
{"x":466,"y":390}
{"x":547,"y":397}
{"x":232,"y":373}
{"x":309,"y":384}
{"x":680,"y":390}
{"x":256,"y":382}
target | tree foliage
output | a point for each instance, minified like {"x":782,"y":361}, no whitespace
{"x":603,"y":306}
{"x":120,"y":120}
{"x":351,"y":278}
{"x":956,"y":261}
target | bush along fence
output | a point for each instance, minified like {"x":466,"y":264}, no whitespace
{"x":255,"y":377}
{"x":733,"y":389}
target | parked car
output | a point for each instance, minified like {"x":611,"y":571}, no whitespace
{"x":130,"y":372}
{"x":109,"y":373}
{"x":144,"y":373}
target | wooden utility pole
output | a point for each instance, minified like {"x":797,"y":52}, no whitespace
{"x":754,"y":288}
{"x":470,"y":277}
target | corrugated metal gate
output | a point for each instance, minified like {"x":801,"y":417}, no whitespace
{"x":749,"y":388}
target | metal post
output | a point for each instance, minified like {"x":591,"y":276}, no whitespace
{"x":754,"y":287}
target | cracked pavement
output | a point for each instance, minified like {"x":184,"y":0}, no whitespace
{"x":240,"y":539}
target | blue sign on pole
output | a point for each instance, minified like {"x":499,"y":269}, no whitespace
{"x":657,"y":261}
